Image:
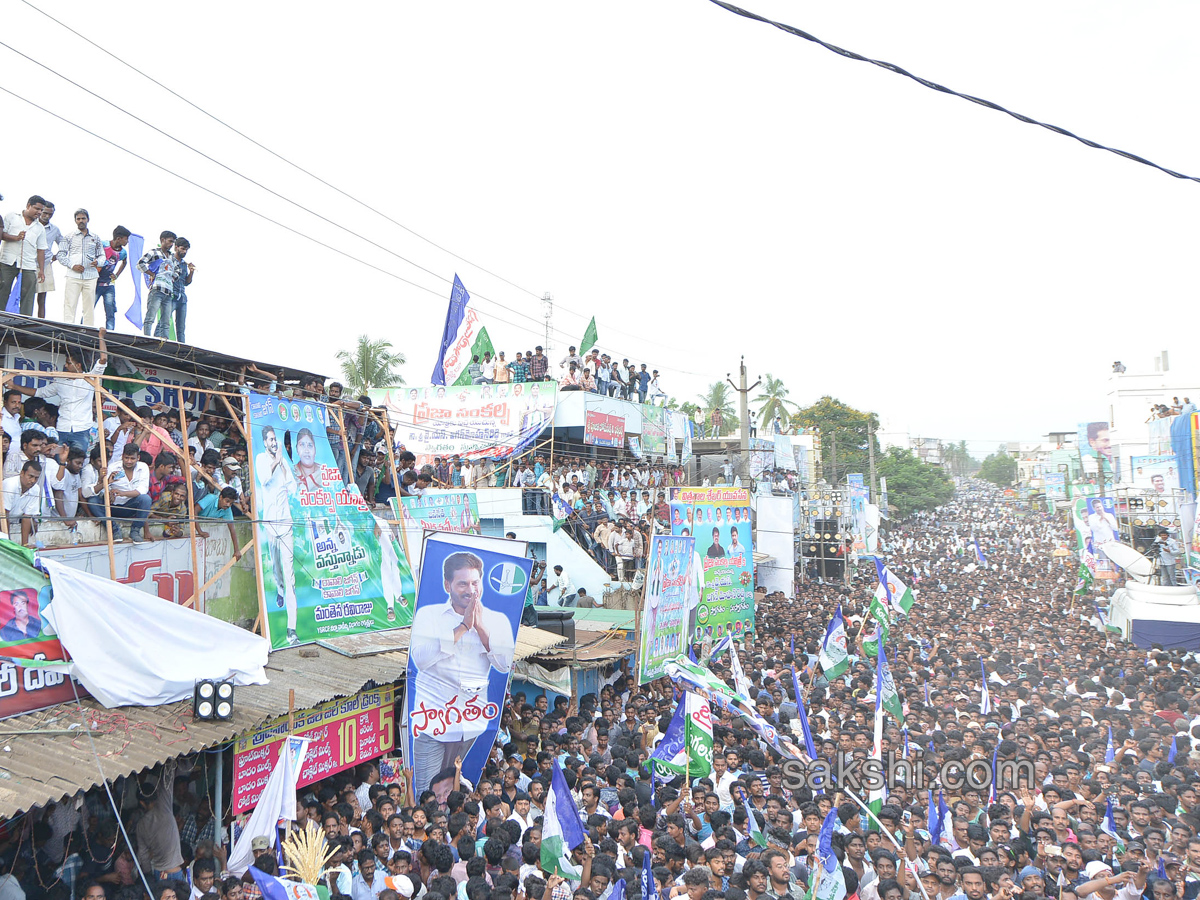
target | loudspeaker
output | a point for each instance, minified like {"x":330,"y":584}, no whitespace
{"x":1143,"y":539}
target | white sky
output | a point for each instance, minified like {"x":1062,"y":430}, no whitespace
{"x":706,"y":185}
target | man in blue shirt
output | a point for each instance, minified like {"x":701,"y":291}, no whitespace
{"x":220,"y":507}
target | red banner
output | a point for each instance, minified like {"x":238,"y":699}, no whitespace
{"x":343,"y":733}
{"x":603,"y":430}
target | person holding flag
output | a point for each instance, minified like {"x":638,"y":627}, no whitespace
{"x":834,"y":658}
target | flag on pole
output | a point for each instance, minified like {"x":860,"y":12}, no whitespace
{"x":1109,"y":825}
{"x":756,"y":835}
{"x":883,"y":582}
{"x":898,"y":594}
{"x":560,"y":511}
{"x":875,"y":798}
{"x":834,"y":657}
{"x":985,"y":702}
{"x":940,"y":825}
{"x":979,"y":557}
{"x":927,"y":692}
{"x":829,"y":882}
{"x":276,"y":804}
{"x":720,"y":647}
{"x":136,"y":245}
{"x":992,"y":796}
{"x":792,"y":645}
{"x":589,"y":337}
{"x":880,"y":612}
{"x":1110,"y":753}
{"x":458,"y":336}
{"x":687,"y":744}
{"x":802,"y":715}
{"x":741,"y":683}
{"x":618,"y":890}
{"x":646,"y":878}
{"x":562,"y":831}
{"x":482,"y":345}
{"x":1173,"y":751}
{"x":1084,"y":584}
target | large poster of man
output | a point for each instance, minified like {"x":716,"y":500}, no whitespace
{"x":23,"y":635}
{"x":719,"y":519}
{"x":1158,"y":474}
{"x":1096,"y":516}
{"x":469,"y":605}
{"x":1094,"y":441}
{"x":665,"y":606}
{"x":328,"y":566}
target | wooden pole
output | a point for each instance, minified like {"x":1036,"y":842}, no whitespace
{"x":108,"y":528}
{"x":191,"y":499}
{"x":391,"y":451}
{"x":233,"y":417}
{"x":221,"y":571}
{"x":260,"y":625}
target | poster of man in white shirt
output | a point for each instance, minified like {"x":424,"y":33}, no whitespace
{"x":1102,"y":520}
{"x":469,"y":605}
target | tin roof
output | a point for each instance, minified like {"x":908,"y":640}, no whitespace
{"x":47,"y":755}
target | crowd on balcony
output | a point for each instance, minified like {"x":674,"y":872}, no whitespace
{"x":596,"y":373}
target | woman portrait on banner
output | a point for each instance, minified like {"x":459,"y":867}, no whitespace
{"x":307,"y":469}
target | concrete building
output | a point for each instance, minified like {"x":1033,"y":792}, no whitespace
{"x":1132,"y":392}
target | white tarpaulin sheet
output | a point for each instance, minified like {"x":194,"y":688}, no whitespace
{"x":277,"y":803}
{"x":131,"y":649}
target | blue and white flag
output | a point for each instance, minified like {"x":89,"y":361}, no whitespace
{"x":802,"y":715}
{"x":137,"y":244}
{"x":985,"y":697}
{"x":1110,"y":753}
{"x":829,"y":882}
{"x":14,"y":296}
{"x":562,"y":831}
{"x":721,"y":646}
{"x":649,"y":889}
{"x":1108,"y":824}
{"x":1173,"y":751}
{"x":458,"y":336}
{"x":618,"y":890}
{"x":277,"y":889}
{"x":992,"y":796}
{"x":939,"y":819}
{"x":979,"y":557}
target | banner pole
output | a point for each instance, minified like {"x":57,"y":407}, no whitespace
{"x":191,"y":499}
{"x":108,"y":528}
{"x":262,"y":626}
{"x":387,"y":434}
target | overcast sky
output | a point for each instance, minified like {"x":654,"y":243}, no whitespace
{"x":707,"y":186}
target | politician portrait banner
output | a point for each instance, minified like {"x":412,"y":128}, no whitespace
{"x":1094,"y":441}
{"x":665,"y":605}
{"x":1159,"y":473}
{"x":454,"y":511}
{"x":469,"y":603}
{"x":328,"y":566}
{"x":719,"y":519}
{"x":654,"y":431}
{"x":480,"y":421}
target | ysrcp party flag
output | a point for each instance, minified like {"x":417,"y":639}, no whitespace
{"x":687,"y":745}
{"x":834,"y":657}
{"x":458,"y":336}
{"x":562,"y":831}
{"x":469,"y":603}
{"x":828,"y":880}
{"x":901,"y":594}
{"x":665,"y":606}
{"x":482,"y":345}
{"x":589,"y":338}
{"x":328,"y":566}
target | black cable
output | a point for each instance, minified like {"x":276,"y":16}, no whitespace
{"x":934,"y":86}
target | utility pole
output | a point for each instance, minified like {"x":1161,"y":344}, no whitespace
{"x":835,"y":474}
{"x":871,"y":458}
{"x":548,"y":311}
{"x":744,"y":415}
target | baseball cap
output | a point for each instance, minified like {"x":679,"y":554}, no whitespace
{"x":262,"y":842}
{"x":229,"y":461}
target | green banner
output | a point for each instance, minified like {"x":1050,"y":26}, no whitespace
{"x":329,"y":567}
{"x":719,"y":519}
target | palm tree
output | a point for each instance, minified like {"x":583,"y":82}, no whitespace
{"x":773,"y":399}
{"x":717,"y":397}
{"x":371,"y":364}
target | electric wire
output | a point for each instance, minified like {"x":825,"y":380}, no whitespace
{"x":336,"y":189}
{"x":940,"y":88}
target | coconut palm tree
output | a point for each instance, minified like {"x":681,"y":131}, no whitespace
{"x":372,"y":364}
{"x":774,"y":400}
{"x":717,"y":397}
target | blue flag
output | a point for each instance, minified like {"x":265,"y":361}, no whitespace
{"x":883,"y":580}
{"x":792,"y":644}
{"x":979,"y":557}
{"x":802,"y":715}
{"x":985,"y":698}
{"x":825,"y":841}
{"x":938,"y":818}
{"x":455,"y":313}
{"x":1110,"y":754}
{"x":618,"y":890}
{"x":276,"y":889}
{"x":1174,"y":749}
{"x":646,"y":878}
{"x":14,"y":296}
{"x":992,"y":798}
{"x":137,"y":244}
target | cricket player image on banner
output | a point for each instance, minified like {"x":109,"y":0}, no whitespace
{"x":469,"y":605}
{"x":664,"y":610}
{"x":719,"y":519}
{"x":328,"y":567}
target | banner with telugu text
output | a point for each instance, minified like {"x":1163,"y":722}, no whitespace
{"x":329,"y":567}
{"x":665,"y":603}
{"x":496,"y":421}
{"x":719,"y":519}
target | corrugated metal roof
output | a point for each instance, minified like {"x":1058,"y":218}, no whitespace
{"x":592,"y":649}
{"x":46,"y":755}
{"x":530,"y":641}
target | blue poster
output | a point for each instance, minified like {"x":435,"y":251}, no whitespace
{"x":469,"y":603}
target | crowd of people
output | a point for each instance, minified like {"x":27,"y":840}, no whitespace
{"x":32,"y":247}
{"x":1106,"y":805}
{"x":595,"y":372}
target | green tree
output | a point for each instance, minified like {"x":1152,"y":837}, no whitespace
{"x":774,"y":400}
{"x":912,"y":485}
{"x":848,"y":428}
{"x":958,"y":460}
{"x":999,"y":468}
{"x":371,"y":364}
{"x":717,"y":397}
{"x":687,"y":407}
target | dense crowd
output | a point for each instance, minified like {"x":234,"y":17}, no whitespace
{"x":1058,"y":685}
{"x":595,"y":372}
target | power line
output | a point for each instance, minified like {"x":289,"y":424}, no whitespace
{"x":331,"y":186}
{"x":242,"y":206}
{"x":934,"y":86}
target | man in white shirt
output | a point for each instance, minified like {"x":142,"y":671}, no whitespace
{"x":560,"y":588}
{"x":23,"y":500}
{"x":278,"y":483}
{"x":10,"y":415}
{"x":65,"y":480}
{"x":23,"y":253}
{"x":455,"y":647}
{"x":76,"y":398}
{"x":128,"y":488}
